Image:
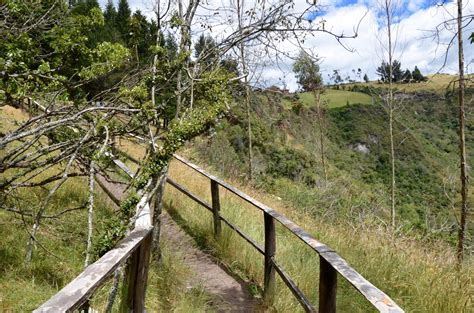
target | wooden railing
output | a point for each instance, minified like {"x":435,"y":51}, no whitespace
{"x":330,"y":262}
{"x":135,"y":248}
{"x":137,"y":245}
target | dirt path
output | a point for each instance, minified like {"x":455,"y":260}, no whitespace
{"x":229,"y":294}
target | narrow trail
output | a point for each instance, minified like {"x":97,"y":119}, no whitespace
{"x":228,"y":293}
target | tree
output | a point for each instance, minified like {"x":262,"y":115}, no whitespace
{"x":464,"y":174}
{"x":307,"y":73}
{"x":417,"y":76}
{"x":123,"y":20}
{"x":407,"y":76}
{"x":336,"y":77}
{"x":57,"y":61}
{"x":385,"y":69}
{"x":231,"y":66}
{"x":83,"y":7}
{"x":366,"y":78}
{"x":139,"y":36}
{"x":205,"y":50}
{"x":111,"y":32}
{"x":390,"y":72}
{"x":110,"y":13}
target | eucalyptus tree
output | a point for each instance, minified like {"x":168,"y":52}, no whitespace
{"x":308,"y":76}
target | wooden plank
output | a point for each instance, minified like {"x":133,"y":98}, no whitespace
{"x":295,"y":229}
{"x":270,"y":247}
{"x":299,"y":295}
{"x":134,"y":291}
{"x":82,"y":287}
{"x":142,"y":275}
{"x":130,"y":274}
{"x":108,"y":192}
{"x":143,"y":212}
{"x":216,"y":207}
{"x":375,"y":296}
{"x":120,"y":165}
{"x":327,"y":287}
{"x":188,"y":193}
{"x":379,"y":299}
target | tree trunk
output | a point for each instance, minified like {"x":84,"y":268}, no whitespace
{"x":317,"y":96}
{"x":462,"y":142}
{"x":89,"y":213}
{"x":247,"y":90}
{"x":390,"y":105}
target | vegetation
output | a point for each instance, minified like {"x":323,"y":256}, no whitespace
{"x":287,"y":148}
{"x":80,"y":87}
{"x":390,"y":263}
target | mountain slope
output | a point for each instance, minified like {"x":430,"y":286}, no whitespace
{"x":287,"y":155}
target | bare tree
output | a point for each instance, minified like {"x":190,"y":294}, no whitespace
{"x":389,"y":10}
{"x":243,"y":62}
{"x":456,"y":24}
{"x":462,"y":138}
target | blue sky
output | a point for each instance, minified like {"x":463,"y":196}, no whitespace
{"x":406,"y":8}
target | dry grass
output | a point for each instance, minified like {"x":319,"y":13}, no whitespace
{"x":437,"y":83}
{"x":419,"y":276}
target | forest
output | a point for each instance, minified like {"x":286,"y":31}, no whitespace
{"x":99,"y":102}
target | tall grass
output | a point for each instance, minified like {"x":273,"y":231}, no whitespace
{"x":167,"y":289}
{"x":419,"y":276}
{"x":24,"y":287}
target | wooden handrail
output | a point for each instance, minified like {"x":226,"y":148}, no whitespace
{"x":330,"y":261}
{"x":74,"y":294}
{"x":136,"y":247}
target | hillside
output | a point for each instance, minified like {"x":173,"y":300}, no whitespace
{"x":439,"y":84}
{"x":287,"y":157}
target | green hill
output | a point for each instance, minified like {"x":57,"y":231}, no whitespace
{"x":336,"y":98}
{"x":287,"y":156}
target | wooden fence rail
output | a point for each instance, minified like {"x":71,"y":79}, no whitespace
{"x":330,"y":262}
{"x":135,"y":248}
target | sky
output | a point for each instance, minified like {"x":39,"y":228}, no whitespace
{"x":413,"y":30}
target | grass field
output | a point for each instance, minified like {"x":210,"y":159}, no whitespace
{"x":336,"y":98}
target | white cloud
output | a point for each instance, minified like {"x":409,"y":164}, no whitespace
{"x":414,"y":44}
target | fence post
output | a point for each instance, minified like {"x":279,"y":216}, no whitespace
{"x":270,"y":246}
{"x":30,"y":109}
{"x":134,"y":291}
{"x":216,"y":207}
{"x":327,"y":287}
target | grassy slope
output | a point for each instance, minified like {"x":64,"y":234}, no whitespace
{"x":419,"y":276}
{"x":438,"y":83}
{"x":346,"y":211}
{"x":336,"y":98}
{"x":286,"y":146}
